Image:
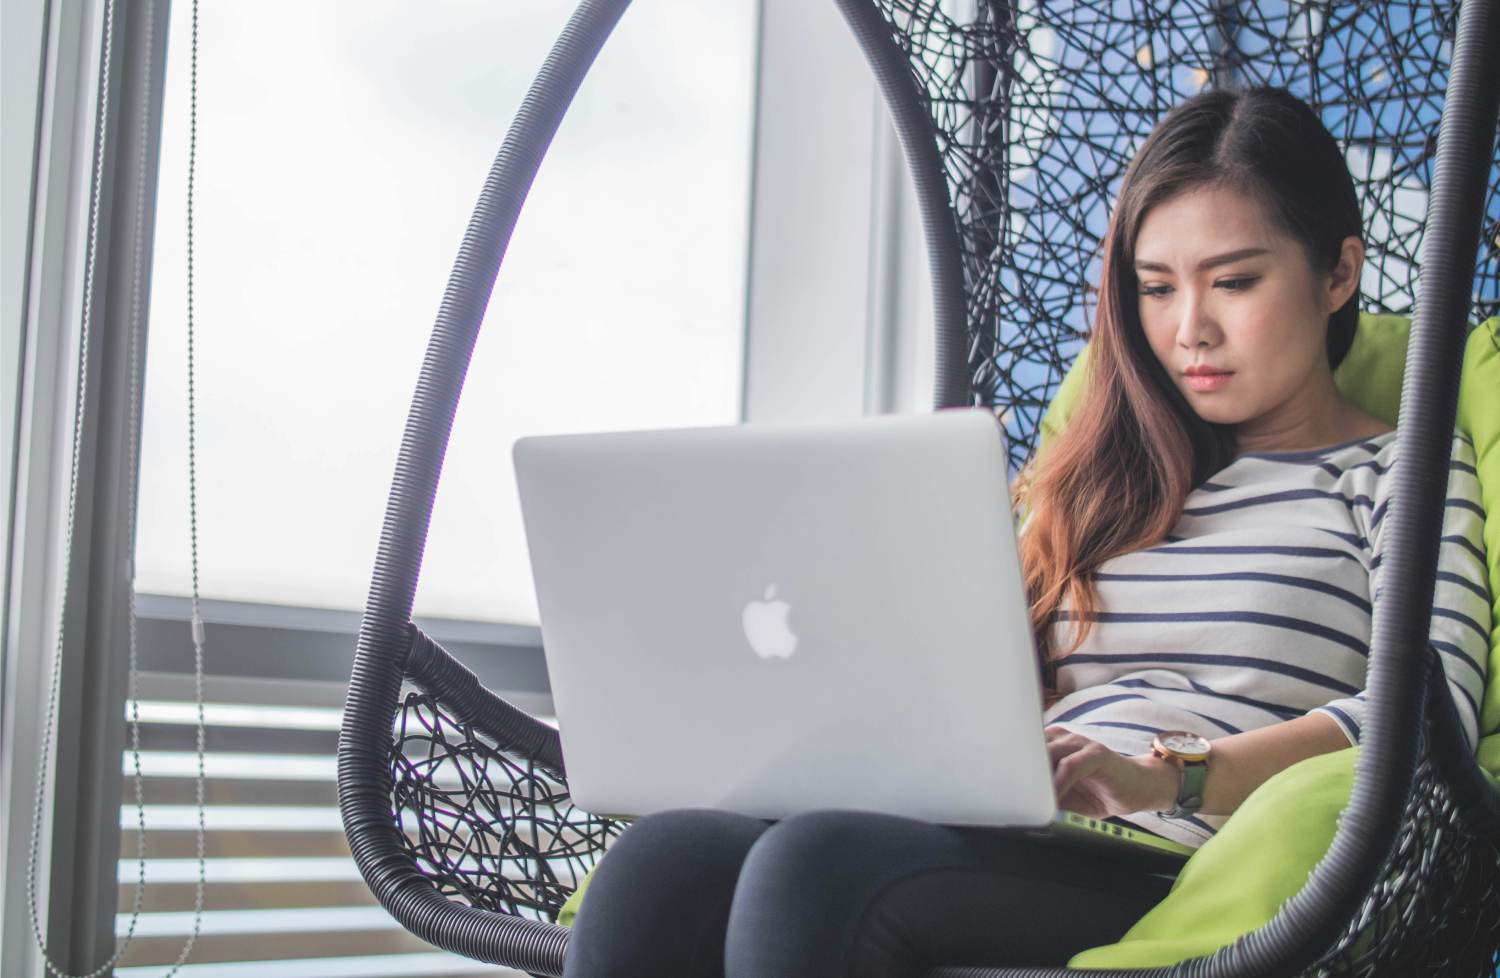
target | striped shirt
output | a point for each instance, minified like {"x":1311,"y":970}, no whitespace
{"x":1256,"y":608}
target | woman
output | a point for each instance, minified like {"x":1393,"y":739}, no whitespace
{"x":1200,"y":551}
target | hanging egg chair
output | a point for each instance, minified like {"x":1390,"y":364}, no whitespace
{"x":455,"y":802}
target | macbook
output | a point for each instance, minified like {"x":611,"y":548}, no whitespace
{"x":774,"y":618}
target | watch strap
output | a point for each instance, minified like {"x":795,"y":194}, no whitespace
{"x":1189,"y":790}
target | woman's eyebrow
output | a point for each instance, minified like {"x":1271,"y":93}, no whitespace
{"x":1216,"y":260}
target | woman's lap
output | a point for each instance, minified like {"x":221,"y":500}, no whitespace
{"x":842,"y":893}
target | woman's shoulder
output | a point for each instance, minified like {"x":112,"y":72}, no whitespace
{"x":1385,"y":447}
{"x":1376,"y":479}
{"x":1371,"y":462}
{"x":1369,"y":430}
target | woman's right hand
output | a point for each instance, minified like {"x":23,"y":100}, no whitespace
{"x":1091,"y":779}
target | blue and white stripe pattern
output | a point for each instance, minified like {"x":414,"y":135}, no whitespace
{"x":1256,"y":607}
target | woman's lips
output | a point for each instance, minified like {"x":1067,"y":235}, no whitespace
{"x":1207,"y":382}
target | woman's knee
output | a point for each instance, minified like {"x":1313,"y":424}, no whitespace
{"x":804,"y":885}
{"x":808,"y":887}
{"x":815,"y":855}
{"x":660,"y":896}
{"x":666,"y":857}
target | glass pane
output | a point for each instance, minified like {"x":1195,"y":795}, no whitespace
{"x":341,"y":147}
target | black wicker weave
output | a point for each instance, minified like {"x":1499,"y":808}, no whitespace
{"x":1017,"y":123}
{"x":491,"y":828}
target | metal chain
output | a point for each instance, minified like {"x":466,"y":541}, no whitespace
{"x":131,"y":471}
{"x":192,"y":460}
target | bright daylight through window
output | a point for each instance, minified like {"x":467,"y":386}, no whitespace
{"x":341,"y":147}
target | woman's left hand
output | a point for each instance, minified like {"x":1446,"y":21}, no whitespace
{"x":1091,"y":779}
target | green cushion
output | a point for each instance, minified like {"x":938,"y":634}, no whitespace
{"x":570,"y":907}
{"x":1261,"y":857}
{"x":1479,"y":417}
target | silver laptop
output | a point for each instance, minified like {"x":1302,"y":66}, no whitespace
{"x":770,"y":619}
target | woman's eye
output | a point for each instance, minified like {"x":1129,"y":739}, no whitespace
{"x":1229,"y":284}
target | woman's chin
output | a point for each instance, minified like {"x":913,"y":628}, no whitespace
{"x":1217,"y":413}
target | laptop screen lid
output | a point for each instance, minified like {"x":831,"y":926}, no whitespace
{"x":777,"y":618}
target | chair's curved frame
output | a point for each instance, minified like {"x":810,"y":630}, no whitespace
{"x":391,"y":651}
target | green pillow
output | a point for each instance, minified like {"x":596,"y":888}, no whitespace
{"x":1261,"y":857}
{"x":570,"y":907}
{"x":1479,"y":417}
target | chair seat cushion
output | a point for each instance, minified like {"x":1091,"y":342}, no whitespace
{"x":1261,"y":857}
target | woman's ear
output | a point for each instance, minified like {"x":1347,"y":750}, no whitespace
{"x":1343,"y":281}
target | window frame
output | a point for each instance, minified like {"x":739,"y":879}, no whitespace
{"x":76,"y":876}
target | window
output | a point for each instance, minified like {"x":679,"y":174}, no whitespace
{"x":337,"y":165}
{"x":341,"y":147}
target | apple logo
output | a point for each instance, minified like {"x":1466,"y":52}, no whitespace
{"x":766,"y":628}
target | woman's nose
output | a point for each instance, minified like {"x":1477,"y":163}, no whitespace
{"x":1193,"y":328}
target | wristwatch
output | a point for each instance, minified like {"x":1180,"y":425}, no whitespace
{"x":1190,"y":753}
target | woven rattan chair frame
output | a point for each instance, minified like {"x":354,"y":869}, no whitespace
{"x":455,"y":802}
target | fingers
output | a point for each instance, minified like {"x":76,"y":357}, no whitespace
{"x":1061,"y":742}
{"x":1052,"y":731}
{"x":1078,"y":764}
{"x":1075,"y":759}
{"x":1061,"y":747}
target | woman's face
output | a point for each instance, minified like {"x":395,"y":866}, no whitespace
{"x":1221,"y":289}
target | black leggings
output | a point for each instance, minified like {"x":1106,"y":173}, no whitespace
{"x":838,"y":894}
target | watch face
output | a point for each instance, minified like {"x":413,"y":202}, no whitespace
{"x":1181,"y":742}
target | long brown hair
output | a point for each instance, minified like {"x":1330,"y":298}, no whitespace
{"x":1115,"y":479}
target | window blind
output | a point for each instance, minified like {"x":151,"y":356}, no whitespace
{"x":283,"y":897}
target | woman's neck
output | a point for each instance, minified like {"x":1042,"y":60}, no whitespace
{"x":1317,"y":419}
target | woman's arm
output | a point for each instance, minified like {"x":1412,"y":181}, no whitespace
{"x":1092,"y":779}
